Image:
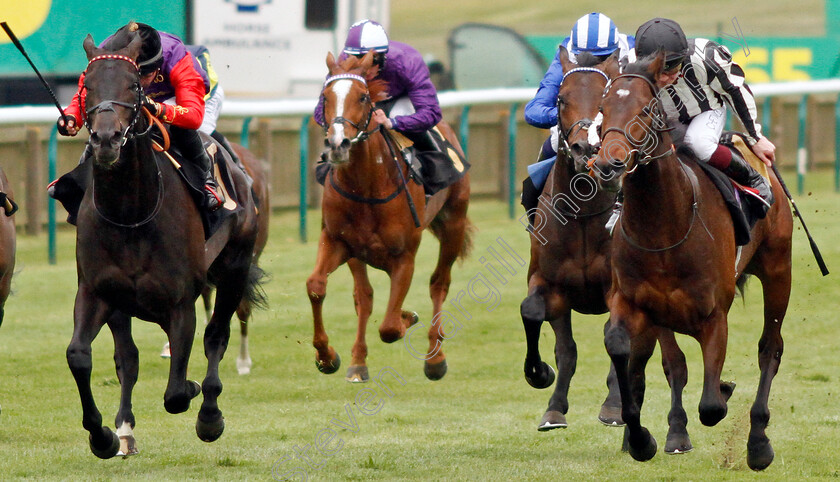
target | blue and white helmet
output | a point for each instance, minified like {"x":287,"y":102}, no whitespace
{"x":366,"y":35}
{"x":594,"y":33}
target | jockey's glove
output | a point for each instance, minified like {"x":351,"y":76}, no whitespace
{"x":153,"y":107}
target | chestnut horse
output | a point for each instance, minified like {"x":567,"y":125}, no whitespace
{"x":140,"y":252}
{"x":570,"y":257}
{"x":366,"y":219}
{"x":675,"y":262}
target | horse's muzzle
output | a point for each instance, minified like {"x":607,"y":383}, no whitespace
{"x":338,"y":152}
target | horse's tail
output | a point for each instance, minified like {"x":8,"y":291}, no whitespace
{"x":254,"y":293}
{"x":438,"y":228}
{"x":741,"y":284}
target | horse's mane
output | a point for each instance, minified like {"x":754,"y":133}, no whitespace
{"x":377,"y":87}
{"x":122,"y":37}
{"x":641,"y":67}
{"x":586,"y":59}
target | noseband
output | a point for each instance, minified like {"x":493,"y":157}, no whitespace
{"x":362,"y":134}
{"x":583,"y":124}
{"x":108,"y":105}
{"x":658,"y":124}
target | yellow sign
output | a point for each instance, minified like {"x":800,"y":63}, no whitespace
{"x":779,"y":64}
{"x":23,"y":17}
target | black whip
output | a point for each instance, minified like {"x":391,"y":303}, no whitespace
{"x":23,"y":51}
{"x":814,"y":248}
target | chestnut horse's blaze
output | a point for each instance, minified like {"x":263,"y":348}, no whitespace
{"x":367,"y":220}
{"x":675,"y":263}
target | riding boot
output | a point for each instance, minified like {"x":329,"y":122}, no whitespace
{"x":69,"y":189}
{"x":193,"y":150}
{"x":530,"y":198}
{"x":741,"y":172}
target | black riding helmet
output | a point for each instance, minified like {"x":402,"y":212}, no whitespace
{"x":151,"y":55}
{"x":666,"y":34}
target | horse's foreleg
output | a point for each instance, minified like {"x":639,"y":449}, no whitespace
{"x":713,"y":339}
{"x":330,"y":256}
{"x":363,"y":300}
{"x":393,"y":327}
{"x":180,"y":328}
{"x":770,"y":348}
{"x":642,"y":445}
{"x":127,"y":361}
{"x":565,"y":355}
{"x":610,"y":414}
{"x":211,"y":424}
{"x":538,"y":373}
{"x":676,"y":372}
{"x":89,"y":315}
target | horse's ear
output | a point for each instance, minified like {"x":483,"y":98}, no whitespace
{"x":563,"y":55}
{"x":90,"y":47}
{"x":611,"y":66}
{"x":135,"y":47}
{"x":367,"y":60}
{"x":331,"y":65}
{"x":657,"y":64}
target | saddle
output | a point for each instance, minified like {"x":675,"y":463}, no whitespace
{"x":70,"y":188}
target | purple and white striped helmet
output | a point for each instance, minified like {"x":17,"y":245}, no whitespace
{"x":366,"y":35}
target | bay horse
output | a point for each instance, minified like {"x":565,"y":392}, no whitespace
{"x":7,"y":241}
{"x":255,"y":168}
{"x":140,"y":252}
{"x":674,"y":260}
{"x":366,"y":220}
{"x":570,"y":257}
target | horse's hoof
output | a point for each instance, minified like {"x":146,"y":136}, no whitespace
{"x":434,"y":371}
{"x":711,"y":414}
{"x":243,"y":366}
{"x":759,"y":454}
{"x":328,"y":368}
{"x":540,"y":375}
{"x":726,"y":389}
{"x":196,"y":388}
{"x":210,"y":431}
{"x":109,"y":448}
{"x":677,"y":444}
{"x":357,"y":374}
{"x":128,"y":446}
{"x":611,"y":416}
{"x":165,"y":353}
{"x":643,"y":447}
{"x":552,"y":419}
{"x":410,"y":318}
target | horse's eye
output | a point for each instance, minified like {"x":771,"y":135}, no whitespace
{"x":363,"y":99}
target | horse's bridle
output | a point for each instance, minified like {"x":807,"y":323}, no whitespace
{"x":582,"y":124}
{"x":108,"y":105}
{"x":657,"y":116}
{"x":362,"y":133}
{"x":658,"y":124}
{"x":128,"y":133}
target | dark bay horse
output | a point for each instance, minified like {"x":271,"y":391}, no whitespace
{"x":570,"y":257}
{"x":675,"y":262}
{"x":366,"y":220}
{"x":140,"y":252}
{"x":258,"y":172}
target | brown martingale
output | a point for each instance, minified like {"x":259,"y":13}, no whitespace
{"x":675,"y":262}
{"x":366,"y":220}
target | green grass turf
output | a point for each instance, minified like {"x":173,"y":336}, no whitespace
{"x":478,"y":423}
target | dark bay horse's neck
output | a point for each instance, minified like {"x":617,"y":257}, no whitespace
{"x":371,"y":171}
{"x":129,"y":192}
{"x":659,"y":199}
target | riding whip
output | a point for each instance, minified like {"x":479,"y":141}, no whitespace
{"x":814,"y":248}
{"x":26,"y":56}
{"x":411,"y":206}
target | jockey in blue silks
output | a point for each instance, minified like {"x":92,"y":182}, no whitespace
{"x":596,"y":34}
